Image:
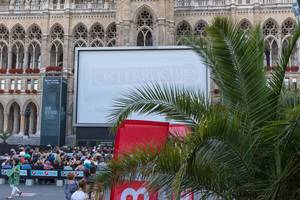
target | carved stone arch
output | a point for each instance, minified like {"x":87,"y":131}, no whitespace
{"x":4,"y":33}
{"x":270,"y":27}
{"x":144,"y":25}
{"x":111,"y":34}
{"x":245,"y":24}
{"x":34,"y":32}
{"x":9,"y":103}
{"x":14,"y":117}
{"x":141,"y":9}
{"x":17,"y":33}
{"x":293,"y":60}
{"x":287,"y":27}
{"x":96,"y":32}
{"x":271,"y":50}
{"x":57,"y":32}
{"x":30,"y":114}
{"x":183,"y":28}
{"x":199,"y":28}
{"x":80,"y":31}
{"x":97,"y":43}
{"x":18,"y":54}
{"x":56,"y":52}
{"x":80,"y":43}
{"x":28,"y":101}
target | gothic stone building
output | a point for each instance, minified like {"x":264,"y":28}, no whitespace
{"x":36,"y":34}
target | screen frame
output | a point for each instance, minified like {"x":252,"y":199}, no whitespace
{"x":76,"y":74}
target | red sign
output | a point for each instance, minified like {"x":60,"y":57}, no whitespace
{"x":132,"y":191}
{"x":134,"y":134}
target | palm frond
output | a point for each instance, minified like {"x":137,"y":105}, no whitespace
{"x":174,"y":102}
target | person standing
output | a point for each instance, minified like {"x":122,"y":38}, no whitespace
{"x":14,"y":178}
{"x":80,"y":194}
{"x":70,"y":186}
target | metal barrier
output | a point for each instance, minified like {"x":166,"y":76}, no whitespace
{"x":58,"y":174}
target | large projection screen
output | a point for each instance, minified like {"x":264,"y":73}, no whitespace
{"x":105,"y":74}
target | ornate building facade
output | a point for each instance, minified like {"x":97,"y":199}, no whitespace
{"x":36,"y":34}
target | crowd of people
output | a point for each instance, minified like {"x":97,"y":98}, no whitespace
{"x":59,"y":158}
{"x":86,"y":159}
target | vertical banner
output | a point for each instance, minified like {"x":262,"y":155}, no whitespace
{"x":134,"y":134}
{"x":53,"y":119}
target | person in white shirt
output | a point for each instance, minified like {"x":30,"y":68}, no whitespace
{"x":80,"y":194}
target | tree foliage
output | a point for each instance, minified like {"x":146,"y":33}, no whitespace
{"x":246,"y":147}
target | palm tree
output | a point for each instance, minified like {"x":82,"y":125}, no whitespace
{"x":4,"y":135}
{"x":245,"y":147}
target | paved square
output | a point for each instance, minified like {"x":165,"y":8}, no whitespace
{"x":36,"y":192}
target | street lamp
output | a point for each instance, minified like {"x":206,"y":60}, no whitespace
{"x":296,"y":9}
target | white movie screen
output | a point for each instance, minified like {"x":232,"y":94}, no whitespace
{"x":103,"y":75}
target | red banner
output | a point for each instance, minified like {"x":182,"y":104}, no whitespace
{"x":134,"y":190}
{"x":134,"y":134}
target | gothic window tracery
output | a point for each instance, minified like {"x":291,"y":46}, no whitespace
{"x":34,"y":55}
{"x":35,"y":33}
{"x":200,"y":28}
{"x":57,"y":33}
{"x":270,"y":28}
{"x":144,"y":24}
{"x":4,"y":33}
{"x":183,"y":29}
{"x":111,"y":34}
{"x":3,"y":55}
{"x":287,"y":27}
{"x":56,"y":51}
{"x":97,"y":35}
{"x":18,"y":33}
{"x":271,"y":52}
{"x":245,"y":25}
{"x":80,"y":32}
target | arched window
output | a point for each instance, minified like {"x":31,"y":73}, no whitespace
{"x":111,"y":34}
{"x":183,"y":29}
{"x":4,"y":40}
{"x":271,"y":51}
{"x":287,"y":28}
{"x":80,"y":32}
{"x":245,"y":25}
{"x":34,"y":48}
{"x":57,"y":33}
{"x":4,"y":33}
{"x":14,"y":119}
{"x":30,"y":125}
{"x":270,"y":32}
{"x":80,"y":43}
{"x":18,"y":40}
{"x":57,"y":40}
{"x":97,"y":35}
{"x":294,"y":58}
{"x":144,"y":24}
{"x":18,"y":33}
{"x":3,"y":55}
{"x":56,"y":54}
{"x":200,"y":28}
{"x":34,"y":54}
{"x":270,"y":28}
{"x":17,"y":55}
{"x":144,"y":38}
{"x":35,"y":33}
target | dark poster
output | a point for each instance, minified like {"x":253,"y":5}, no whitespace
{"x":53,"y":122}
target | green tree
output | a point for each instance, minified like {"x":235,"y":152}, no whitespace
{"x":4,"y":135}
{"x":246,"y":147}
